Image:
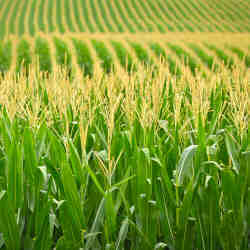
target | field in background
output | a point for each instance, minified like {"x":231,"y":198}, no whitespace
{"x":200,"y":33}
{"x":124,"y":124}
{"x":87,"y":53}
{"x":98,"y":16}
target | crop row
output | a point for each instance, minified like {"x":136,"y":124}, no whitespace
{"x":120,"y":16}
{"x":196,"y":57}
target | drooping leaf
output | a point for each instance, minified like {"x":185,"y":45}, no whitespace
{"x":185,"y":164}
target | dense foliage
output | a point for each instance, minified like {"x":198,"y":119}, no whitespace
{"x":130,"y":162}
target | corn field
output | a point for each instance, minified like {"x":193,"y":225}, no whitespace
{"x":124,"y":124}
{"x":85,"y":53}
{"x":126,"y":16}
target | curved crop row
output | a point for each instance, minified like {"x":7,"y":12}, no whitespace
{"x":199,"y":27}
{"x":183,"y":55}
{"x":227,"y":16}
{"x":86,"y":17}
{"x":227,"y":60}
{"x":150,"y":17}
{"x":160,"y":53}
{"x":77,"y":16}
{"x":237,"y":10}
{"x":135,"y":16}
{"x":149,"y":26}
{"x":206,"y":59}
{"x":2,"y":4}
{"x":104,"y":16}
{"x":21,"y":24}
{"x":178,"y":17}
{"x":242,"y":7}
{"x":103,"y":53}
{"x":241,"y":55}
{"x":63,"y":56}
{"x":41,"y":12}
{"x":23,"y":56}
{"x":13,"y":18}
{"x":43,"y":52}
{"x":68,"y":16}
{"x":195,"y":15}
{"x":123,"y":17}
{"x":31,"y":19}
{"x":114,"y":16}
{"x":203,"y":15}
{"x":141,"y":53}
{"x":213,"y":15}
{"x":167,"y":13}
{"x":158,"y":14}
{"x":59,"y":21}
{"x":51,"y":24}
{"x":132,"y":17}
{"x":84,"y":58}
{"x":123,"y":56}
{"x":96,"y":17}
{"x":5,"y":56}
{"x":152,"y":11}
{"x":4,"y":18}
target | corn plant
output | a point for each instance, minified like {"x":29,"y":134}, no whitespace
{"x":124,"y":57}
{"x":206,"y":59}
{"x":5,"y":56}
{"x":104,"y":54}
{"x":188,"y":60}
{"x":84,"y":58}
{"x":241,"y":55}
{"x":227,"y":60}
{"x":63,"y":55}
{"x":141,"y":53}
{"x":43,"y":52}
{"x":23,"y":56}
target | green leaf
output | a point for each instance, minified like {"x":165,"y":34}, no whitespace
{"x":30,"y":155}
{"x":185,"y":164}
{"x":122,"y":234}
{"x":98,"y":185}
{"x":72,"y":207}
{"x":75,"y":160}
{"x":1,"y":240}
{"x":8,"y":224}
{"x":233,"y":152}
{"x":15,"y":175}
{"x":91,"y":236}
